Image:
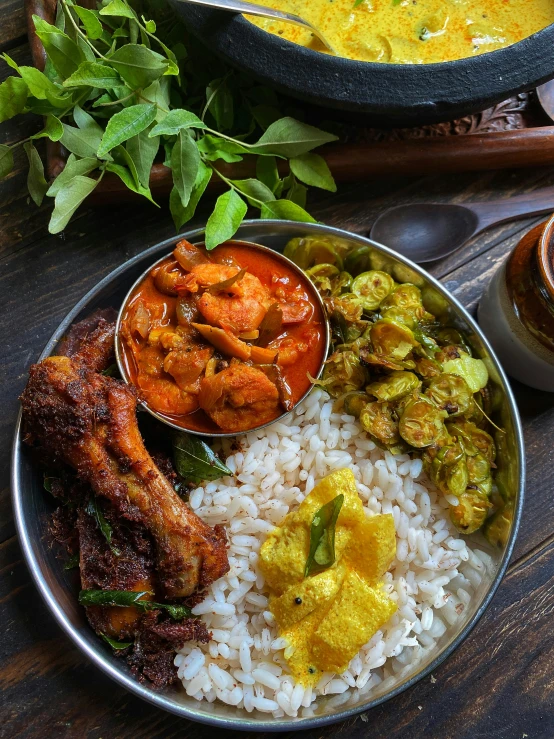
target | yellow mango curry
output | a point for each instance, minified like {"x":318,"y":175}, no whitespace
{"x":412,"y":31}
{"x":324,"y":567}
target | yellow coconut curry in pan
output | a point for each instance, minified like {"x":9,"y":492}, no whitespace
{"x":412,"y":31}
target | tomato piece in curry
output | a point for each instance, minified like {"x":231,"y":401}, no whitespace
{"x":222,"y":341}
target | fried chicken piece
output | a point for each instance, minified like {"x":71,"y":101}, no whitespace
{"x":100,"y":568}
{"x":89,"y":421}
{"x":156,"y":641}
{"x":91,"y":342}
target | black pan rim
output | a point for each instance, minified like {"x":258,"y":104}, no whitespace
{"x":415,"y":91}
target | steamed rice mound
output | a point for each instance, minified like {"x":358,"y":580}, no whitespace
{"x":432,"y":579}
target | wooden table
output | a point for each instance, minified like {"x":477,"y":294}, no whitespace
{"x":499,"y":683}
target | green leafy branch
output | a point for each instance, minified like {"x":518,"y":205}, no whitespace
{"x":118,"y":105}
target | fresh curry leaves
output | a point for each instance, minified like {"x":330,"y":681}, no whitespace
{"x":111,"y":371}
{"x":126,"y":598}
{"x":195,"y":461}
{"x":6,"y":160}
{"x":94,"y":510}
{"x":322,"y":537}
{"x":47,"y":482}
{"x":116,"y":644}
{"x":123,"y":598}
{"x":119,"y":90}
{"x":228,"y":213}
{"x":72,"y":562}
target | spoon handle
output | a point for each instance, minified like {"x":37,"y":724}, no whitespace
{"x":535,"y":203}
{"x":242,"y":6}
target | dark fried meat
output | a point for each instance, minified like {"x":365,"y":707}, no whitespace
{"x":89,"y":422}
{"x":154,"y":634}
{"x":165,"y":465}
{"x":92,"y":340}
{"x":63,"y":529}
{"x":157,"y":638}
{"x":77,"y":417}
{"x":132,"y":568}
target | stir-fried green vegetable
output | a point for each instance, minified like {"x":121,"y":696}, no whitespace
{"x":343,"y":373}
{"x":372,"y":288}
{"x":451,"y":393}
{"x":394,"y":386}
{"x":410,"y":378}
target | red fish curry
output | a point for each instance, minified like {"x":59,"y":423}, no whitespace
{"x":222,"y":341}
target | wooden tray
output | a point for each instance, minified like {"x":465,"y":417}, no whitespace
{"x":513,"y":134}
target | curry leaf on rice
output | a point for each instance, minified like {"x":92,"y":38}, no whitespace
{"x":195,"y":461}
{"x":322,"y":536}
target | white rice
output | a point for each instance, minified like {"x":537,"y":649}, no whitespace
{"x":432,"y":579}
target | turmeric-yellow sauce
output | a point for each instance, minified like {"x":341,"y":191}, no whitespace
{"x":327,"y":617}
{"x":412,"y":31}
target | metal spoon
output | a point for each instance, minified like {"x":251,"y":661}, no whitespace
{"x":240,"y":6}
{"x":424,"y":232}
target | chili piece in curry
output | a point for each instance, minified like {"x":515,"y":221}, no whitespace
{"x":222,"y":341}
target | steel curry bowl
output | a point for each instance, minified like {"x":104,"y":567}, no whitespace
{"x":124,"y":358}
{"x":59,"y":587}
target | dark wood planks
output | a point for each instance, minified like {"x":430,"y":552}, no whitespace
{"x":13,"y":30}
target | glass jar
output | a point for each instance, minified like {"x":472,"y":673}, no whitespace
{"x":516,"y":311}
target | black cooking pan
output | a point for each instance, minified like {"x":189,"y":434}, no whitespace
{"x":386,"y":94}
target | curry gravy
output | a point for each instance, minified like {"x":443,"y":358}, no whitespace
{"x":412,"y":31}
{"x":283,"y":282}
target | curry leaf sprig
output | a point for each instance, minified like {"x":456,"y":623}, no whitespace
{"x":322,"y":537}
{"x":120,"y":93}
{"x":195,"y":461}
{"x":126,"y":598}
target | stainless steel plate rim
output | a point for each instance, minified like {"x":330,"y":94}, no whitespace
{"x":159,"y":699}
